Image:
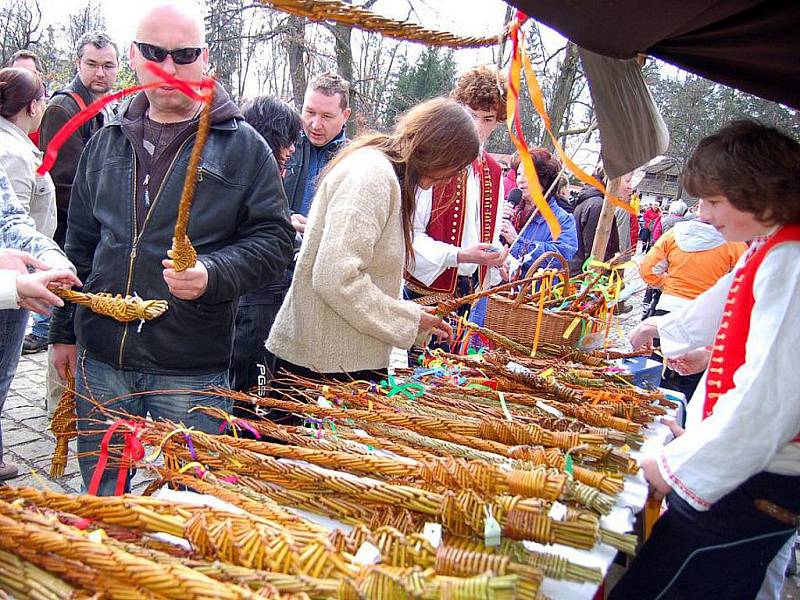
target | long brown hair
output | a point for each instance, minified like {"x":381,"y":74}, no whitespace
{"x":435,"y":136}
{"x":18,"y":88}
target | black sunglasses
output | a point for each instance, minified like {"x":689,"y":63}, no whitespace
{"x":181,"y":56}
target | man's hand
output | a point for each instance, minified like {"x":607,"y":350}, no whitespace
{"x":186,"y":285}
{"x":21,"y":262}
{"x":643,"y":334}
{"x":690,"y":363}
{"x":483,"y":254}
{"x":299,"y":223}
{"x":64,"y":355}
{"x":658,"y":486}
{"x":33,"y":293}
{"x":433,"y":324}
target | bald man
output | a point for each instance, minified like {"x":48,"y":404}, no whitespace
{"x":121,"y":221}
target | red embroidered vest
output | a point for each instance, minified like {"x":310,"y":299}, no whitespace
{"x":447,"y":217}
{"x":728,"y":353}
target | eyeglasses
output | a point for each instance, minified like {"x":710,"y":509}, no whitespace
{"x":105,"y":68}
{"x":181,"y":56}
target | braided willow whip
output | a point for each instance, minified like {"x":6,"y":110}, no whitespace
{"x":183,"y":254}
{"x":119,"y":308}
{"x":64,"y":427}
{"x":340,"y":12}
{"x":26,"y":581}
{"x":168,"y":581}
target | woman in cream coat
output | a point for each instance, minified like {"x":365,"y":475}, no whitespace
{"x":344,"y":312}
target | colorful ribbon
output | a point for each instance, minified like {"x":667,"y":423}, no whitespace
{"x":520,"y":61}
{"x":132,"y":451}
{"x":91,"y":111}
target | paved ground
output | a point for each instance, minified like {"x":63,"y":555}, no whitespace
{"x":27,"y":442}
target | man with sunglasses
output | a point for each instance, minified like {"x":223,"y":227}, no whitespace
{"x":121,"y":222}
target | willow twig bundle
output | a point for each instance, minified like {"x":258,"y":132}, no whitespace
{"x":122,"y":309}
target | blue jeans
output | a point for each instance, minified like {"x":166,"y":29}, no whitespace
{"x":98,"y":383}
{"x":41,"y":325}
{"x":12,"y":332}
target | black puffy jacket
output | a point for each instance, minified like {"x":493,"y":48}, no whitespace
{"x":239,"y":226}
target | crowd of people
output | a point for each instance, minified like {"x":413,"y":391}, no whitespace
{"x":311,"y":249}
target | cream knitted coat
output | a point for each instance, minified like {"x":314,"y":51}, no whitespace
{"x":343,"y":311}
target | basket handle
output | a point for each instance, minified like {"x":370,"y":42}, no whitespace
{"x":535,"y":266}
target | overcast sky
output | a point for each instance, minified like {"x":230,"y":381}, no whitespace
{"x":463,"y":17}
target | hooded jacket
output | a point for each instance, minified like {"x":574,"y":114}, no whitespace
{"x":587,"y":214}
{"x":239,"y":226}
{"x":687,"y":260}
{"x":61,"y":108}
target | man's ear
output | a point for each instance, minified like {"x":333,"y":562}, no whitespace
{"x":346,"y":112}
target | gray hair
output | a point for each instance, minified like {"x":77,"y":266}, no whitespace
{"x":98,"y":39}
{"x":678,"y":207}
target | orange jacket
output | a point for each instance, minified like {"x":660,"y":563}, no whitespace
{"x":689,"y":259}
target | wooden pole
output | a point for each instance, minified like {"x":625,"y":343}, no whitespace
{"x":605,"y":222}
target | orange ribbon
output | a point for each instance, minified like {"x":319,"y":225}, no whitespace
{"x":520,"y":61}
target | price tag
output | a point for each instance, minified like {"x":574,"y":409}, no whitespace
{"x":549,"y":409}
{"x":97,"y":536}
{"x":558,"y":511}
{"x":433,"y":533}
{"x":516,"y":368}
{"x":491,"y":532}
{"x":323,"y":402}
{"x":367,"y":555}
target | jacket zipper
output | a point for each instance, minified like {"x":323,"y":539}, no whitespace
{"x":137,"y":235}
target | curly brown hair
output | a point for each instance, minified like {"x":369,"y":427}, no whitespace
{"x":757,"y":168}
{"x":482,"y":88}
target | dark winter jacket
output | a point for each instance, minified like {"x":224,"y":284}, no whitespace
{"x":587,"y":214}
{"x":61,"y":108}
{"x":297,"y":169}
{"x":239,"y":226}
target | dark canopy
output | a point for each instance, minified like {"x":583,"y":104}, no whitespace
{"x":747,"y":44}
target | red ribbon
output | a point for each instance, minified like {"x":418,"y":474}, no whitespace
{"x":132,"y":452}
{"x":91,"y":111}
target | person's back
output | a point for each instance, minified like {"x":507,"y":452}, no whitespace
{"x":686,"y":261}
{"x":587,"y":214}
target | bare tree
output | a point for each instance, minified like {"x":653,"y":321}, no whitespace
{"x":295,"y":41}
{"x":19,"y":26}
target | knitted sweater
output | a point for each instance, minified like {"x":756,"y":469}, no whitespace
{"x":343,"y":311}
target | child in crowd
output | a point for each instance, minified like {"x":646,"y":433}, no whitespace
{"x":732,"y":479}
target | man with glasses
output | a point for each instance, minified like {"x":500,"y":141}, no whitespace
{"x":96,"y":62}
{"x":121,"y":222}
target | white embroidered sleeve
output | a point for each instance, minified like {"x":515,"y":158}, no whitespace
{"x":431,"y":257}
{"x":696,"y":324}
{"x":756,"y":421}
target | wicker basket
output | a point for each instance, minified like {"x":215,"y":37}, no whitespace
{"x":514,"y":318}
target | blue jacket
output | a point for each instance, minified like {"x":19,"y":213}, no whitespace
{"x":533,"y":241}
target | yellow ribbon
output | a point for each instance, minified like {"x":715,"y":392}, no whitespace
{"x":157,"y":452}
{"x":539,"y":318}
